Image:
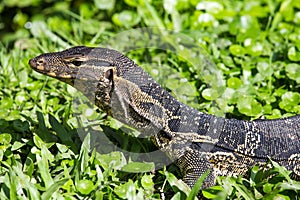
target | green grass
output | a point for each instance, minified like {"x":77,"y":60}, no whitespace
{"x":44,"y":153}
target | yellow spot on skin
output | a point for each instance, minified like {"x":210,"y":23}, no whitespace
{"x":68,"y":76}
{"x":51,"y":74}
{"x":40,"y":67}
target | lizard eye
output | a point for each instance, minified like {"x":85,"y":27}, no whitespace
{"x":76,"y":63}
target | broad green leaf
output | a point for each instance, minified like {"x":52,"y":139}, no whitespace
{"x":212,"y":192}
{"x":293,"y":54}
{"x":114,"y":159}
{"x":268,"y":187}
{"x":137,"y":167}
{"x":6,"y":103}
{"x":253,"y":48}
{"x":249,"y":106}
{"x":5,"y":138}
{"x":17,"y":145}
{"x":281,"y":197}
{"x":104,"y":4}
{"x":234,"y":82}
{"x":126,"y":18}
{"x":85,"y":186}
{"x":237,"y":50}
{"x":147,"y":182}
{"x":293,"y":71}
{"x":210,"y":94}
{"x":290,"y":186}
{"x":265,"y":69}
{"x":126,"y":191}
{"x":289,"y":101}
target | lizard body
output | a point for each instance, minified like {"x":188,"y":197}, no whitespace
{"x":197,"y":141}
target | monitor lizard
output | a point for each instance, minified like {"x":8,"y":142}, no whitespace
{"x":196,"y":141}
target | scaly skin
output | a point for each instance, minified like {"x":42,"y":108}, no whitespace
{"x":195,"y":140}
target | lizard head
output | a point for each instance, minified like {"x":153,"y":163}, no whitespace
{"x":90,"y":70}
{"x":74,"y":63}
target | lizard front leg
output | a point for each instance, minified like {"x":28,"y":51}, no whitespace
{"x":192,"y":165}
